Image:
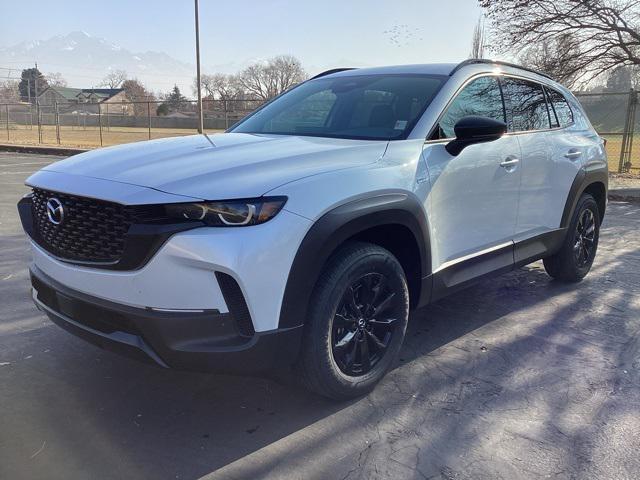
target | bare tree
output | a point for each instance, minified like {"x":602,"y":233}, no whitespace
{"x":477,"y":44}
{"x":135,"y":91}
{"x":220,"y":86}
{"x":267,"y":80}
{"x":558,"y":57}
{"x":603,"y":34}
{"x":55,"y":79}
{"x":9,"y":92}
{"x":114,"y":79}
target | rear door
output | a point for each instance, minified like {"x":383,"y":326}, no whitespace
{"x":550,"y":159}
{"x":473,"y":202}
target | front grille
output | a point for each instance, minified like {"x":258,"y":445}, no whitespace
{"x":90,"y":231}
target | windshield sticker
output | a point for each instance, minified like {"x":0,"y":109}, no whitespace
{"x":400,"y":125}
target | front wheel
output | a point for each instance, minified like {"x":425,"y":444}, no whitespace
{"x":578,"y":251}
{"x":358,"y":317}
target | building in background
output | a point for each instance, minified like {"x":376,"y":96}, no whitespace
{"x":86,"y":100}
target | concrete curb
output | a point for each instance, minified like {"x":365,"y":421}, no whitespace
{"x":625,"y":194}
{"x":43,"y":150}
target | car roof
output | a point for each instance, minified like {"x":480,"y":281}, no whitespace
{"x":429,"y":68}
{"x":447,"y":69}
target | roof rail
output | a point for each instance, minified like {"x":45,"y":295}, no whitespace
{"x":329,"y":72}
{"x":474,"y":61}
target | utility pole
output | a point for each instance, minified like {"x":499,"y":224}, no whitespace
{"x":200,"y":113}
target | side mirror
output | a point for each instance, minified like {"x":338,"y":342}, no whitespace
{"x":475,"y":129}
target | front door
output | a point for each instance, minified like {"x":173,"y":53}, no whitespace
{"x":473,"y":202}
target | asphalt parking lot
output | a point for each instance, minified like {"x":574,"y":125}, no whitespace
{"x":516,"y":378}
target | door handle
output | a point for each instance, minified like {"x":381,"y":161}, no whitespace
{"x":510,"y":162}
{"x":573,"y":154}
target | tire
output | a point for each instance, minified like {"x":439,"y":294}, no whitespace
{"x":574,"y":259}
{"x":360,"y":305}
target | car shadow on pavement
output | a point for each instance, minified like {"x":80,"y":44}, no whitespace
{"x":519,"y":377}
{"x":472,"y":363}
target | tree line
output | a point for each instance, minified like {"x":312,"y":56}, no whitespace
{"x":260,"y":81}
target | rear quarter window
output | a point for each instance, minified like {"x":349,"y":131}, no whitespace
{"x":560,"y":107}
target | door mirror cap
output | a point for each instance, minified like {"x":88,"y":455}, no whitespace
{"x":474,"y":129}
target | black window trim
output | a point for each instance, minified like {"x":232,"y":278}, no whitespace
{"x":564,"y":97}
{"x":500,"y":76}
{"x":547,"y":101}
{"x":550,"y":106}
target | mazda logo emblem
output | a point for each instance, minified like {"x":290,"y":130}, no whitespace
{"x":55,"y":211}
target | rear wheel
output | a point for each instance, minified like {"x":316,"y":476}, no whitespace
{"x":358,"y":317}
{"x":578,"y":251}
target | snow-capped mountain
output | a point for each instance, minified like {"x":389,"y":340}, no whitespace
{"x":84,"y":60}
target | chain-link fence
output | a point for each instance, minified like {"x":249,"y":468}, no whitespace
{"x":100,"y":124}
{"x":614,"y":117}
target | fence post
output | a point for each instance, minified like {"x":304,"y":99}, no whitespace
{"x":149,"y":118}
{"x":38,"y":120}
{"x":57,"y":122}
{"x":627,"y":134}
{"x":226,"y":115}
{"x":6,"y":110}
{"x":100,"y":121}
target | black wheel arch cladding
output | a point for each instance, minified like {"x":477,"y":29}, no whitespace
{"x":337,"y":226}
{"x":594,"y":181}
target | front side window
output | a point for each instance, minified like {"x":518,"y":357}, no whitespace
{"x":527,"y":104}
{"x":561,"y":108}
{"x":481,"y":97}
{"x":372,"y":107}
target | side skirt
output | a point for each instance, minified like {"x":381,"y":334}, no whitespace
{"x":468,"y":270}
{"x":541,"y":246}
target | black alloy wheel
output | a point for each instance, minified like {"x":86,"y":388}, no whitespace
{"x":584,"y":239}
{"x":574,"y":259}
{"x":364,"y":324}
{"x":356,"y":322}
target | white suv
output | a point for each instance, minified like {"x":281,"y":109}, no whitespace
{"x":305,"y":234}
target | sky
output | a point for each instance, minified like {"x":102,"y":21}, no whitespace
{"x":323,"y":34}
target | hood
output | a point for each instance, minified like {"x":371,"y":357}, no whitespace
{"x":232,"y":165}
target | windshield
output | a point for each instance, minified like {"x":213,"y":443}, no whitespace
{"x":371,"y":107}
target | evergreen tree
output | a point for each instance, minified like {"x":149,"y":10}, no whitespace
{"x":620,"y":79}
{"x":31,"y":78}
{"x":175,"y":100}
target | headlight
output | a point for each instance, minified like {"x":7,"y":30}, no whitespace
{"x":231,"y":213}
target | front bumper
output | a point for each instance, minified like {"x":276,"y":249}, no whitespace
{"x":200,"y":340}
{"x":182,"y":273}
